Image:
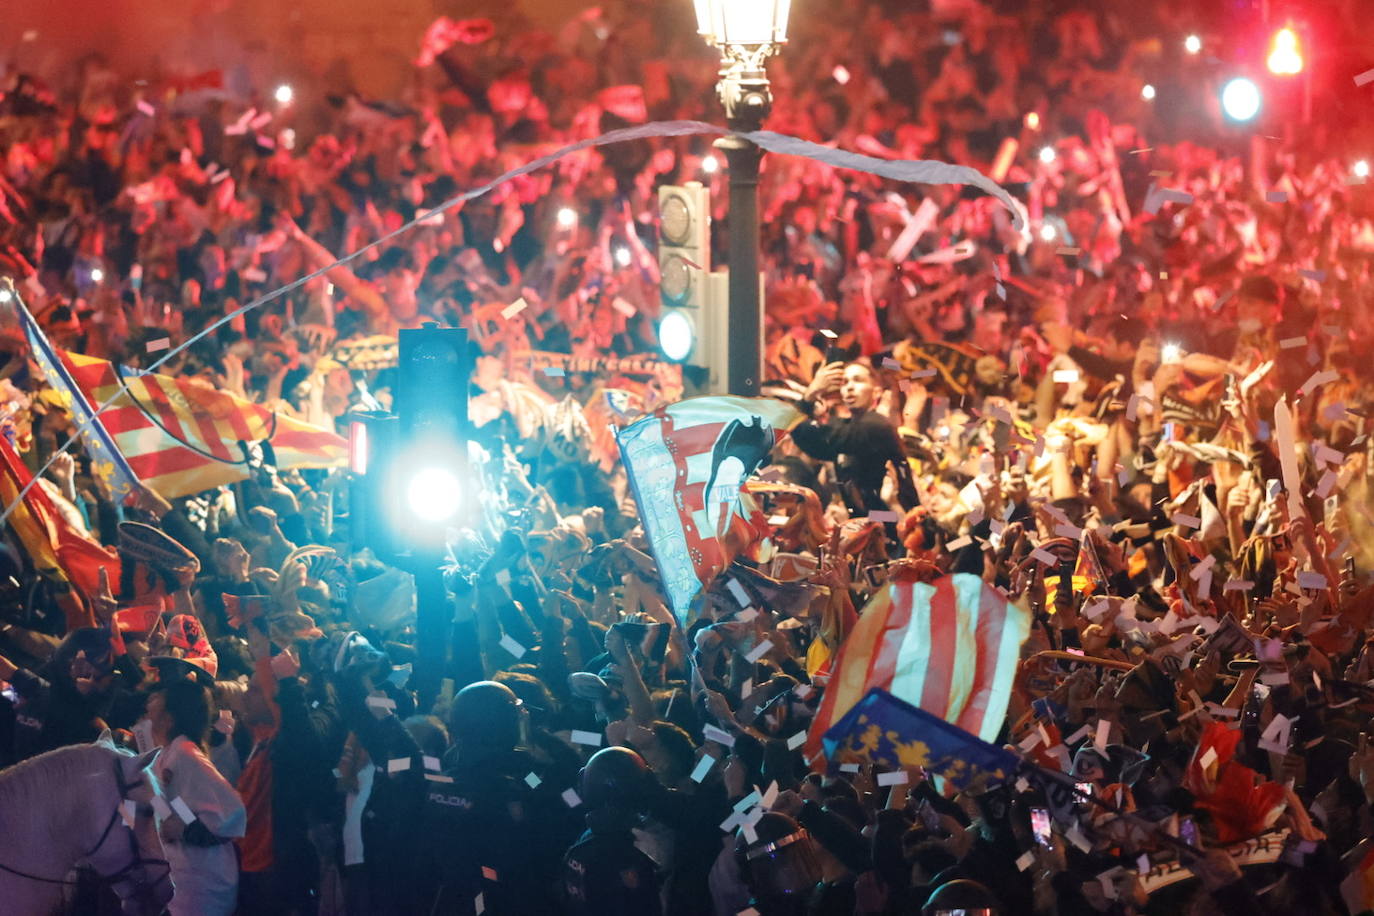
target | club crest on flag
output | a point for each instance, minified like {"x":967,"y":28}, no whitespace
{"x":687,"y":464}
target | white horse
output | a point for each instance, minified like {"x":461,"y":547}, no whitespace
{"x":88,"y":805}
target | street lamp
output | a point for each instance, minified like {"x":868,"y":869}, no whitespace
{"x":747,"y":33}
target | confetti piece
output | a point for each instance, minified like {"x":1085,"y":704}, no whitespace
{"x":399,"y":765}
{"x":161,"y":808}
{"x":1326,"y":484}
{"x":225,"y":725}
{"x":747,"y":802}
{"x":778,"y":520}
{"x":796,"y":741}
{"x":959,"y":543}
{"x":479,"y":904}
{"x":923,"y":373}
{"x":740,"y":595}
{"x":145,"y":108}
{"x":883,"y":517}
{"x":154,"y":346}
{"x":503,"y":578}
{"x":1183,"y":520}
{"x":554,"y":372}
{"x":897,"y":778}
{"x":571,"y":798}
{"x":1292,"y":343}
{"x":511,"y":646}
{"x":759,"y":651}
{"x":1079,"y":735}
{"x":533,"y":781}
{"x":591,"y":739}
{"x":1317,"y":379}
{"x":489,"y":873}
{"x":1068,"y":252}
{"x":381,"y":703}
{"x":1044,"y":556}
{"x":129,"y":811}
{"x":718,"y":735}
{"x":1102,"y":734}
{"x":831,"y":335}
{"x":1274,"y":679}
{"x":1068,"y":531}
{"x":431,"y":763}
{"x":1277,"y":197}
{"x":1365,"y":77}
{"x":1312,"y":580}
{"x":183,"y":810}
{"x":515,"y":308}
{"x":849,"y":768}
{"x":623,"y":307}
{"x":747,"y":614}
{"x":702,"y":768}
{"x":1025,"y":860}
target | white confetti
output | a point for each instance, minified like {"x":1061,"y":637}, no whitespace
{"x":571,"y":798}
{"x":718,"y":735}
{"x":533,"y":781}
{"x":183,"y":810}
{"x":759,"y":651}
{"x":515,"y":308}
{"x":702,"y":768}
{"x":511,"y":646}
{"x":398,"y":765}
{"x":896,"y":778}
{"x":591,"y":739}
{"x":1365,"y":77}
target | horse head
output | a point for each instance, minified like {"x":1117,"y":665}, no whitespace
{"x":129,"y":853}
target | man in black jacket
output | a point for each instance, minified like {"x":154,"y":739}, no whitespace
{"x":862,"y":443}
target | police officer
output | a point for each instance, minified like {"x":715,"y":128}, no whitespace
{"x":603,"y":873}
{"x":492,"y":825}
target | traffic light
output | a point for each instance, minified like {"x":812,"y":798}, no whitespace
{"x":684,"y":266}
{"x":411,"y":480}
{"x":1285,"y":53}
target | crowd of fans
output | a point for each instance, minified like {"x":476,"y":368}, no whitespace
{"x":1110,"y":393}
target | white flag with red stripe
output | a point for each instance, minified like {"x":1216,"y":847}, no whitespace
{"x":951,"y":647}
{"x":687,"y":464}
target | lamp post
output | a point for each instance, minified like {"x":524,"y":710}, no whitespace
{"x":747,"y":33}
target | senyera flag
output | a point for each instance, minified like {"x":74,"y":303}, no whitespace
{"x":181,"y":437}
{"x":950,"y":647}
{"x":687,"y":464}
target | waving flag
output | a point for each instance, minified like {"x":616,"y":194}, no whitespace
{"x":107,"y":462}
{"x":950,"y":647}
{"x":888,"y":732}
{"x":57,"y":548}
{"x":687,"y":463}
{"x":181,"y":437}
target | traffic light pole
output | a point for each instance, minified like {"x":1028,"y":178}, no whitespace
{"x":747,"y":102}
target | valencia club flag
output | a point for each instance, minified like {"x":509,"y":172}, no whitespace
{"x":687,"y":464}
{"x":950,"y":647}
{"x":181,"y":437}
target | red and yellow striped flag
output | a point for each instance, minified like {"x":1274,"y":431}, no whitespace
{"x":181,"y":437}
{"x":950,"y":647}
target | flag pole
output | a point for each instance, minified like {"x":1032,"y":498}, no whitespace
{"x":99,"y":443}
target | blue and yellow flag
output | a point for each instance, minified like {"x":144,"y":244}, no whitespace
{"x":883,"y":730}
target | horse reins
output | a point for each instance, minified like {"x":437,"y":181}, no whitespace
{"x":135,"y":859}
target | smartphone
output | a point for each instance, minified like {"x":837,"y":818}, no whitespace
{"x":930,"y":818}
{"x":1187,"y":830}
{"x":1040,"y":826}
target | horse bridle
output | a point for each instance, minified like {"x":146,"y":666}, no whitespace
{"x":142,"y":887}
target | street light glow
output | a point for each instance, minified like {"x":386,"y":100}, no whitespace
{"x":710,"y":165}
{"x":1192,"y":44}
{"x":434,"y":494}
{"x":1147,"y":92}
{"x":1048,"y":233}
{"x":567,"y":217}
{"x":1240,"y":99}
{"x":6,"y":297}
{"x":97,"y":275}
{"x":1033,"y":120}
{"x":1047,"y":154}
{"x":284,"y":94}
{"x":1360,"y":169}
{"x":622,"y":257}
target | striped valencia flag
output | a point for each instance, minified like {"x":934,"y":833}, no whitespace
{"x":950,"y":647}
{"x":181,"y":437}
{"x":687,"y":464}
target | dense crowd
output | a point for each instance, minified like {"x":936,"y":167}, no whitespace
{"x":1140,"y":416}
